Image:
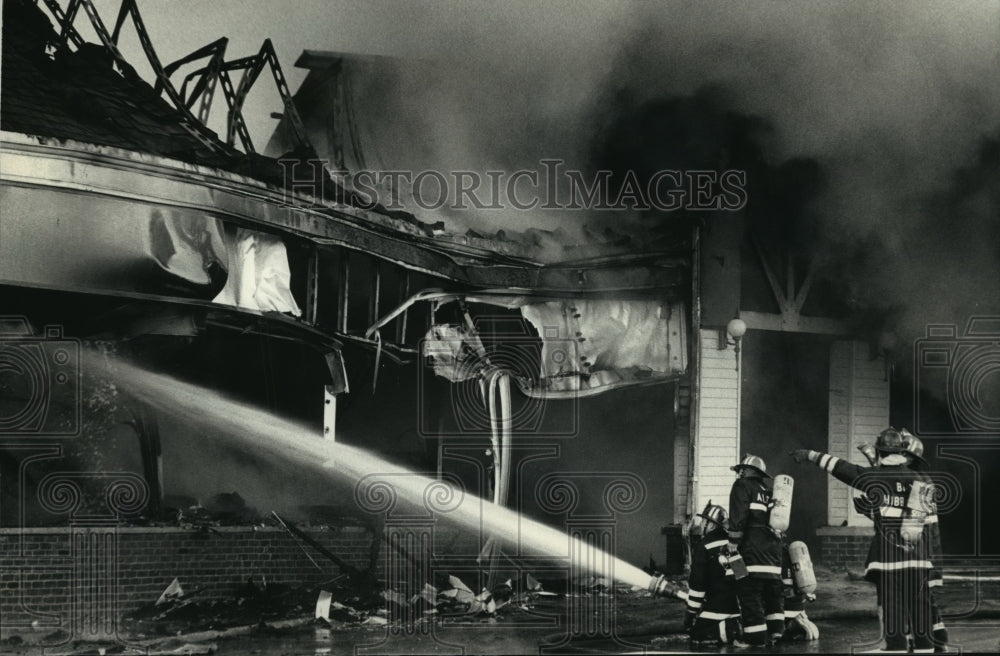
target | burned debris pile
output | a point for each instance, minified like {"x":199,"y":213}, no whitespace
{"x":341,"y":604}
{"x":268,"y":606}
{"x":55,"y":92}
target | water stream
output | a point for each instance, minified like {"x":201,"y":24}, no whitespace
{"x":265,"y":435}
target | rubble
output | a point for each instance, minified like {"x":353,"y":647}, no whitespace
{"x":253,"y":604}
{"x":172,"y":592}
{"x":189,"y":624}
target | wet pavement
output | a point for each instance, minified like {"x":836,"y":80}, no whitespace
{"x":836,"y":636}
{"x":845,"y":615}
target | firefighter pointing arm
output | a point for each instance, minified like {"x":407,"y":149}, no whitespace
{"x":898,"y":561}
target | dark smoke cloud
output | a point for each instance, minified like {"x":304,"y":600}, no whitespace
{"x":869,"y":111}
{"x":868,"y":124}
{"x":936,"y":256}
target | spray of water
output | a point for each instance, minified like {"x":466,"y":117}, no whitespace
{"x":266,"y":435}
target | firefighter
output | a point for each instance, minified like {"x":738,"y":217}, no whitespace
{"x":695,"y":531}
{"x":760,"y":592}
{"x":798,"y":626}
{"x":898,"y":557}
{"x":713,"y":613}
{"x":915,"y":449}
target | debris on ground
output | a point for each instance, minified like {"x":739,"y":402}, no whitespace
{"x":173,"y":592}
{"x":178,"y":646}
{"x":185,"y":622}
{"x":257,"y":602}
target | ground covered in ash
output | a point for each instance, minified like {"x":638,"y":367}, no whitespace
{"x":516,"y":617}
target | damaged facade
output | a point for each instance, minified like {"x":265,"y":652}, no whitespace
{"x":136,"y":230}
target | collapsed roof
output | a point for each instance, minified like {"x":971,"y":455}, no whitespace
{"x":164,"y":211}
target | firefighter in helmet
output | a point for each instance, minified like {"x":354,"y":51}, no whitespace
{"x":713,"y":613}
{"x":895,"y":497}
{"x":760,"y":592}
{"x":915,"y":449}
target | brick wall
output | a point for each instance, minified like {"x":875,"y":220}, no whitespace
{"x":37,"y":565}
{"x":844,"y":546}
{"x":718,"y":420}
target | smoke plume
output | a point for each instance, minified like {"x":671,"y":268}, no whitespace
{"x":872,"y":132}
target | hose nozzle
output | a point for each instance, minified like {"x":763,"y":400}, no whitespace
{"x":869,"y":452}
{"x":661,"y":587}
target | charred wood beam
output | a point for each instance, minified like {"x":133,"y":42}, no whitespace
{"x":252,"y":67}
{"x":109,"y":40}
{"x":312,"y":287}
{"x":351,"y":571}
{"x":791,"y":300}
{"x":373,"y":298}
{"x":343,"y":289}
{"x":148,"y":432}
{"x":206,"y":77}
{"x":69,"y":168}
{"x":793,"y":323}
{"x":800,"y":297}
{"x":404,"y":293}
{"x":772,"y":279}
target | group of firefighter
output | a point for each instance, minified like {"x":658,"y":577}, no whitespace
{"x":749,"y":588}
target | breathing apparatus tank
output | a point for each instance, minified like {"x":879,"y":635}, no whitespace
{"x":918,"y":502}
{"x":781,"y":500}
{"x":802,"y":567}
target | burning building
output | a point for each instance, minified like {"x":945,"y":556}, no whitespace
{"x":132,"y":231}
{"x":133,"y":235}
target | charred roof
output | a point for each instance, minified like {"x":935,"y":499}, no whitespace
{"x":78,"y":95}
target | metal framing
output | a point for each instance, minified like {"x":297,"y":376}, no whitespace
{"x":216,"y":70}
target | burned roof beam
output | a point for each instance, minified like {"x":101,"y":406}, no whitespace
{"x":109,"y":40}
{"x":68,"y":30}
{"x":252,"y":67}
{"x":65,"y":20}
{"x":134,"y":177}
{"x":207,"y":76}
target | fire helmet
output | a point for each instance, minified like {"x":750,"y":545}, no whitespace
{"x":713,"y":514}
{"x":914,"y":446}
{"x":890,"y":441}
{"x":753,"y":463}
{"x":696,"y":527}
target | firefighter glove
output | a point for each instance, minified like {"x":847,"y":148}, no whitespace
{"x":799,"y":455}
{"x":865,"y":506}
{"x":810,"y":630}
{"x":689,"y":620}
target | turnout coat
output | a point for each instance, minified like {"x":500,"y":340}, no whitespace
{"x":885,"y":492}
{"x":749,"y":508}
{"x":711,"y":588}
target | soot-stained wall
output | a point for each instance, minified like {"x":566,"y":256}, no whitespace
{"x":628,"y":431}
